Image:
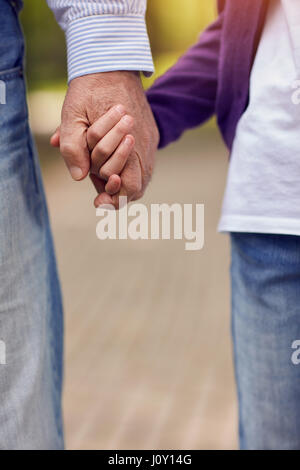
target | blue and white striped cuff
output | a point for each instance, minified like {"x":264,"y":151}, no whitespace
{"x":106,"y":43}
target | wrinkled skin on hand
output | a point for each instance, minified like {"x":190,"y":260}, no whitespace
{"x":89,"y":97}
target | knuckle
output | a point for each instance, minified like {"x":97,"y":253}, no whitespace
{"x":68,"y":149}
{"x":102,"y":149}
{"x":92,"y":134}
{"x":105,"y":173}
{"x":126,"y":123}
{"x":117,"y":111}
{"x":122,"y":153}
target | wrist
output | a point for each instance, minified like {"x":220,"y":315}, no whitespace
{"x":108,"y":78}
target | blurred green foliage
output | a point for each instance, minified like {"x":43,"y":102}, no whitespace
{"x":173,"y":25}
{"x":46,"y":50}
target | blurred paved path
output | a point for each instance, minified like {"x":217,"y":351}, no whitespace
{"x":148,"y":354}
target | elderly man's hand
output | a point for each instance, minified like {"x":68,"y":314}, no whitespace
{"x":88,"y":98}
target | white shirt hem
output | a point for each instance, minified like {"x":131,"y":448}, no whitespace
{"x":254,"y":224}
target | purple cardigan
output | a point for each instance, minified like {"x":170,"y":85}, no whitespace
{"x":213,"y":76}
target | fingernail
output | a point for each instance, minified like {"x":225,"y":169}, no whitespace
{"x":128,"y":141}
{"x":127,"y":119}
{"x":120,"y":108}
{"x":76,"y":172}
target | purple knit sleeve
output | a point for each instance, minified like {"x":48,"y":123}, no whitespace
{"x":185,"y":96}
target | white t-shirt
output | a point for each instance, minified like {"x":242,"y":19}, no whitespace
{"x":263,"y":184}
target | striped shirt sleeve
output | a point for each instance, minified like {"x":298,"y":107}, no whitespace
{"x":104,"y":35}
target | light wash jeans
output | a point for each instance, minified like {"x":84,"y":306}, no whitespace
{"x":265,"y":274}
{"x":31,"y":325}
{"x":265,"y":298}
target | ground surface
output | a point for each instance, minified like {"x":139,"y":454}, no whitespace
{"x":148,"y":354}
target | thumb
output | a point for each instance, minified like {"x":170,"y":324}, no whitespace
{"x":55,"y":138}
{"x":74,"y":149}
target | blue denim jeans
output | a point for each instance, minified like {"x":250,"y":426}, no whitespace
{"x":265,"y":273}
{"x":31,"y":320}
